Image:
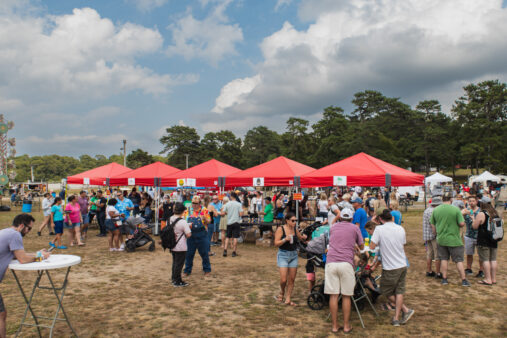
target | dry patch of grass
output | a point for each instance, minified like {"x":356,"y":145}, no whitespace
{"x":130,"y":295}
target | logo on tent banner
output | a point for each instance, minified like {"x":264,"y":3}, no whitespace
{"x":132,"y":181}
{"x":258,"y":182}
{"x":86,"y":180}
{"x":185,"y":182}
{"x":340,"y":180}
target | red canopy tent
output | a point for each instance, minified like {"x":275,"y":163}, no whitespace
{"x":144,"y":176}
{"x":98,"y":176}
{"x":206,"y":174}
{"x":361,"y":170}
{"x":277,"y":172}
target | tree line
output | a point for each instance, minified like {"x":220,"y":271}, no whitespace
{"x":472,"y":135}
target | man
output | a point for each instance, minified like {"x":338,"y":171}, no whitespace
{"x":471,"y":235}
{"x":101,"y":213}
{"x":458,"y":202}
{"x":199,"y":218}
{"x":446,"y":221}
{"x":340,"y":278}
{"x":124,"y":207}
{"x":135,"y":198}
{"x":83,"y":202}
{"x":11,"y":245}
{"x":430,"y":239}
{"x":391,"y":240}
{"x":369,"y":205}
{"x":217,"y":206}
{"x":233,"y":211}
{"x":360,"y":216}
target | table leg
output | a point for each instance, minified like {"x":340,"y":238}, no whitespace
{"x":28,"y":301}
{"x":60,"y":299}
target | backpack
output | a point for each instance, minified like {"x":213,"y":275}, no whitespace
{"x":168,"y":236}
{"x":495,"y":228}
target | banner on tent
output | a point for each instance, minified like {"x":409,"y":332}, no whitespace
{"x":86,"y":181}
{"x":258,"y":182}
{"x":185,"y":182}
{"x":339,"y":180}
{"x":131,"y":181}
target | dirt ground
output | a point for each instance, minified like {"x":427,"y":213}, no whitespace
{"x":130,"y":295}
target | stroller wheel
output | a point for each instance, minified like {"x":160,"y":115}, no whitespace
{"x":151,"y":247}
{"x":316,"y":301}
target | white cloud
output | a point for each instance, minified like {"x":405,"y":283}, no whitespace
{"x":210,"y":39}
{"x":404,"y":48}
{"x":282,"y":3}
{"x":148,"y":5}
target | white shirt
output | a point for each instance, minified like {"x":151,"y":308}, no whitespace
{"x":253,"y":205}
{"x":322,"y":205}
{"x":108,"y":209}
{"x":391,"y":239}
{"x":181,"y":228}
{"x":331,"y":214}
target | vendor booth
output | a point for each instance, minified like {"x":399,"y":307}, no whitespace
{"x":98,"y":176}
{"x":207,"y":174}
{"x":144,"y":176}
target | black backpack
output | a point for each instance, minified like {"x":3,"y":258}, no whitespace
{"x":168,"y":236}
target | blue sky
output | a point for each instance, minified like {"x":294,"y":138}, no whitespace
{"x":79,"y":76}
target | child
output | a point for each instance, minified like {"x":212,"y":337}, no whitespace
{"x":365,"y":270}
{"x":57,"y":223}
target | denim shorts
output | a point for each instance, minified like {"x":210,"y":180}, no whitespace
{"x":111,"y":225}
{"x":86,"y":218}
{"x":72,"y":225}
{"x":287,"y":259}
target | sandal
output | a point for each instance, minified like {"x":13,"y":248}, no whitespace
{"x":387,"y":307}
{"x":483,"y":282}
{"x":279,"y":298}
{"x":291,"y":303}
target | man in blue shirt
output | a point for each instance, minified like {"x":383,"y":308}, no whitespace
{"x":124,"y":206}
{"x":360,"y":216}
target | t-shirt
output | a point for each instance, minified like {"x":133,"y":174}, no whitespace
{"x":253,"y":205}
{"x":268,"y":213}
{"x":322,"y":204}
{"x":83,"y":204}
{"x":233,"y":210}
{"x":10,"y":241}
{"x":122,"y":206}
{"x":361,"y":217}
{"x":182,"y":227}
{"x":391,"y":240}
{"x":397,"y":216}
{"x":75,"y":212}
{"x":342,"y":239}
{"x":331,"y":214}
{"x":471,"y":232}
{"x":46,"y":206}
{"x":93,"y":200}
{"x":56,"y":210}
{"x":110,"y":208}
{"x":446,"y":219}
{"x":103,"y":201}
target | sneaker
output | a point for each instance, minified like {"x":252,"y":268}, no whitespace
{"x":469,"y":272}
{"x":38,"y":233}
{"x":180,"y":284}
{"x":121,"y":249}
{"x":51,"y":244}
{"x":407,"y":316}
{"x":480,"y":274}
{"x":63,"y":247}
{"x":438,"y":276}
{"x":225,"y":253}
{"x":395,"y":322}
{"x":51,"y":233}
{"x":444,"y":281}
{"x":431,"y":274}
{"x":234,"y":254}
{"x":112,"y":249}
{"x":465,"y":282}
{"x":122,"y":246}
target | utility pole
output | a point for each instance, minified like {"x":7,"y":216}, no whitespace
{"x":124,"y":152}
{"x":186,"y":157}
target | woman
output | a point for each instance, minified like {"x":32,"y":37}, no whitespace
{"x":223,"y":221}
{"x":57,"y":223}
{"x":304,"y":206}
{"x":145,"y":209}
{"x":395,"y":212}
{"x":211,"y":225}
{"x":286,"y":238}
{"x":182,"y":232}
{"x":322,"y":206}
{"x":46,"y":209}
{"x":74,"y":221}
{"x":379,"y":202}
{"x":112,"y":226}
{"x":280,"y":207}
{"x":486,"y":246}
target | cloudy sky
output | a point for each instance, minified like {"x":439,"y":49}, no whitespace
{"x":79,"y":76}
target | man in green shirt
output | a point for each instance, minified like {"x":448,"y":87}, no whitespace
{"x":446,"y":222}
{"x":268,"y":217}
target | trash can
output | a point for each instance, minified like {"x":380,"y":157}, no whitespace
{"x":27,"y":206}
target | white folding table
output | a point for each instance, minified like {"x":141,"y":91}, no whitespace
{"x":42,"y":268}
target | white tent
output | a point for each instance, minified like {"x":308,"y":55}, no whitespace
{"x":486,"y":176}
{"x":437,"y":178}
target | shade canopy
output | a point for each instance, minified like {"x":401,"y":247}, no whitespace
{"x":98,"y":176}
{"x":438,"y":178}
{"x":361,"y":170}
{"x":144,"y":176}
{"x":277,"y":172}
{"x":206,"y":174}
{"x":486,"y":176}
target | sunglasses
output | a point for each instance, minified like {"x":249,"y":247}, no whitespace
{"x":293,"y":220}
{"x":27,"y":227}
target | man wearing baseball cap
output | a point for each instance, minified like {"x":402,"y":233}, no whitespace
{"x":360,"y":216}
{"x":430,"y":239}
{"x":340,"y":278}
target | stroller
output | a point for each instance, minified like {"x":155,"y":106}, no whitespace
{"x":140,"y":236}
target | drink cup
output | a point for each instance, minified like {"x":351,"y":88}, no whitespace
{"x":291,"y":239}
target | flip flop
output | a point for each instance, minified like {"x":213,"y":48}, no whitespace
{"x":348,"y":332}
{"x":278,"y":298}
{"x":482,"y":282}
{"x":291,"y":303}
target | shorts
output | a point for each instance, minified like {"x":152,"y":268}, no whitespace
{"x":287,"y":259}
{"x":2,"y":305}
{"x":431,"y":249}
{"x":47,"y":213}
{"x":86,"y":218}
{"x":111,"y":225}
{"x":470,"y":244}
{"x":393,"y":282}
{"x":486,"y":254}
{"x":72,"y":225}
{"x":58,"y":227}
{"x":310,"y":268}
{"x":233,"y":230}
{"x":216,"y":221}
{"x":340,"y":279}
{"x":455,"y":252}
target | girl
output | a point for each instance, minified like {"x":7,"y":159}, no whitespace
{"x":322,"y":206}
{"x":57,"y":223}
{"x":46,"y":209}
{"x":113,"y":230}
